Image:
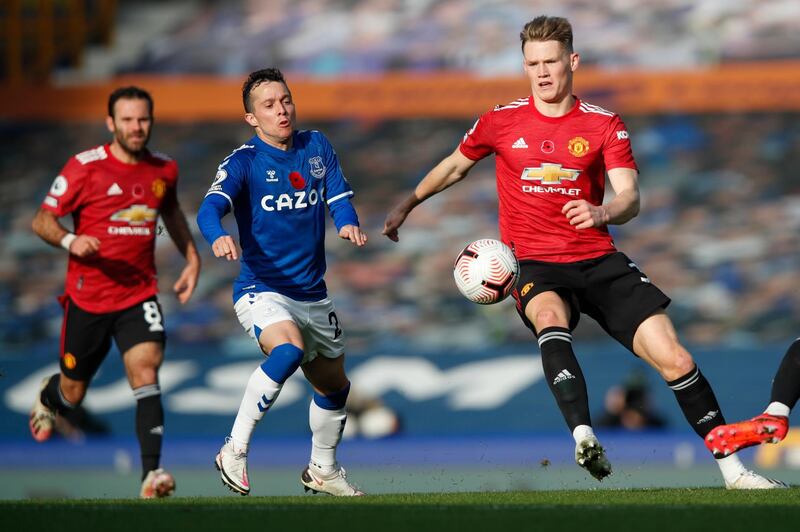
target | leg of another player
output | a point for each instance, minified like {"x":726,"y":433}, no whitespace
{"x":142,"y":362}
{"x":550,"y":315}
{"x":327,"y":417}
{"x":656,"y":342}
{"x":773,"y":425}
{"x":61,"y":393}
{"x":786,"y":385}
{"x":283,"y":344}
{"x":58,"y":394}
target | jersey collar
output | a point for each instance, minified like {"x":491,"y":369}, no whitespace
{"x":553,"y":119}
{"x":272,"y":150}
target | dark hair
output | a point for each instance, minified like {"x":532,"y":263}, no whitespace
{"x":544,"y":28}
{"x":255,"y":79}
{"x":132,"y":93}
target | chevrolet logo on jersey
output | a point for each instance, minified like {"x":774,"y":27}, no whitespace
{"x":550,"y":174}
{"x":135,"y":215}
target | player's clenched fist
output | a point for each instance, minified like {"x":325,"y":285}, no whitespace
{"x":224,"y":246}
{"x":584,"y":215}
{"x":84,"y":245}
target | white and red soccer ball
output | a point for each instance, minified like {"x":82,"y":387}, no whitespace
{"x":486,"y":271}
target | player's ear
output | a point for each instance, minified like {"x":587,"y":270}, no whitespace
{"x":110,"y":123}
{"x":251,"y":119}
{"x":574,"y":61}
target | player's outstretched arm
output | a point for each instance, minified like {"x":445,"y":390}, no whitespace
{"x":209,"y":221}
{"x":448,"y":172}
{"x":178,"y":229}
{"x":48,"y":228}
{"x":619,"y":210}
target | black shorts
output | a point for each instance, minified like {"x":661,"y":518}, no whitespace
{"x":611,"y":289}
{"x":86,"y":337}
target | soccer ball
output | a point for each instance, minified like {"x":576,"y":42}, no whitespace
{"x":486,"y":271}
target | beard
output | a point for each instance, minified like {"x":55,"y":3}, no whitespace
{"x":132,"y":144}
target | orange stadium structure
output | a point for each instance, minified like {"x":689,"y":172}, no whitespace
{"x":727,"y":88}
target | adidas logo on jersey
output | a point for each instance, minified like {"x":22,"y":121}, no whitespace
{"x":114,"y":190}
{"x":158,"y":431}
{"x":708,"y":417}
{"x":519,"y":143}
{"x":563,"y":375}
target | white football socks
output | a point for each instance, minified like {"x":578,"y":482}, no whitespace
{"x":731,"y":468}
{"x":582,"y":432}
{"x":326,"y":429}
{"x":259,"y":396}
{"x":778,"y":409}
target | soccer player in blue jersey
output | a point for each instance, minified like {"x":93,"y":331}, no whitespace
{"x":278,"y":184}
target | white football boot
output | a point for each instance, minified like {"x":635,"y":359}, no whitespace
{"x":750,"y":480}
{"x":334,"y":483}
{"x":157,"y":484}
{"x":232,"y":467}
{"x":42,"y":420}
{"x":591,"y":456}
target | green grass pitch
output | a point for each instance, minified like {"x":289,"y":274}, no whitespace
{"x":649,"y":510}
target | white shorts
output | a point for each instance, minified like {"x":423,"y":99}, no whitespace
{"x":317,"y":321}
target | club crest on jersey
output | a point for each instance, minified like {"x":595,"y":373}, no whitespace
{"x":159,"y":188}
{"x":578,"y":146}
{"x":526,"y":289}
{"x":317,"y":168}
{"x":550,"y":174}
{"x":271,"y":176}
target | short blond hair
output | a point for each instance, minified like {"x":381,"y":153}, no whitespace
{"x":544,"y":28}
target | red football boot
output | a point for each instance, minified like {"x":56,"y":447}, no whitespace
{"x":765,"y":428}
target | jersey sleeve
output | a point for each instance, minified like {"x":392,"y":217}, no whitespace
{"x":336,"y":185}
{"x":230,"y":178}
{"x":478,"y":142}
{"x":617,"y":152}
{"x":173,"y":174}
{"x":64,"y":195}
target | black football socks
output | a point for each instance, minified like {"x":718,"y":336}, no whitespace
{"x":149,"y":425}
{"x":786,"y":385}
{"x":564,"y":376}
{"x":698,"y":402}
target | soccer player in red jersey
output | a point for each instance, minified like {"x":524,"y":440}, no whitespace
{"x":771,"y":426}
{"x":552,"y":153}
{"x":115,"y":193}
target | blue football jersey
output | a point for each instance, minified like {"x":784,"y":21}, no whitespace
{"x":278,"y":198}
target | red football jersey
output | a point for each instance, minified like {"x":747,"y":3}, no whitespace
{"x":544,"y":162}
{"x":119,"y":204}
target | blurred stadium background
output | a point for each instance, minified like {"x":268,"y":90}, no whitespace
{"x":449,"y":394}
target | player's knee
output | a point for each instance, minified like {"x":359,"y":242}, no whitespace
{"x":680,"y":363}
{"x":144,"y":375}
{"x":547,"y":318}
{"x":282,"y":362}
